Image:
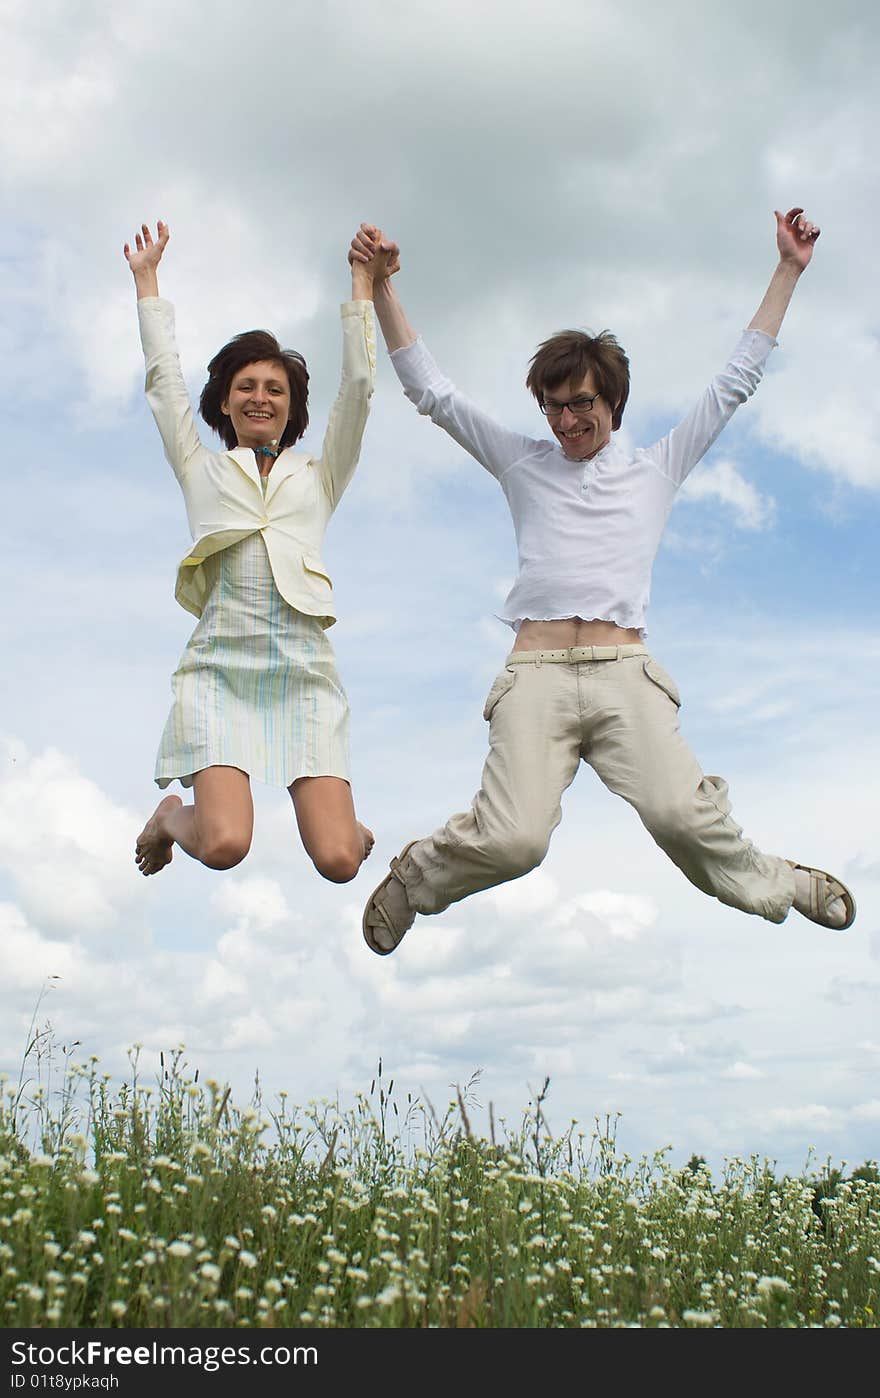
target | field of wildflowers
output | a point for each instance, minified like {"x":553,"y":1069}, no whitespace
{"x":169,"y":1206}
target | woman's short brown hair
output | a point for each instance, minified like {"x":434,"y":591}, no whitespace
{"x":571,"y":355}
{"x":251,"y":347}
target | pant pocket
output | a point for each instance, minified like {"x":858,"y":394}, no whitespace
{"x":502,"y":684}
{"x":658,"y":676}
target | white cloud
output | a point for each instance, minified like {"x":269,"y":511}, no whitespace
{"x":723,"y":482}
{"x":257,"y":903}
{"x":220,"y":982}
{"x":29,"y":958}
{"x":745,"y":1072}
{"x":66,"y":847}
{"x":867,"y":1111}
{"x":537,"y":892}
{"x":53,"y":99}
{"x":621,"y":915}
{"x":251,"y":1031}
{"x":817,"y":408}
{"x":814,"y":1117}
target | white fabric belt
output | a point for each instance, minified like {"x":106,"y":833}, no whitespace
{"x":573,"y":655}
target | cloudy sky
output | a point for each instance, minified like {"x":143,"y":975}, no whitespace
{"x":588,"y":164}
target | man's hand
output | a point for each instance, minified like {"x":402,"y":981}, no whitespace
{"x":372,"y":250}
{"x":795,"y":237}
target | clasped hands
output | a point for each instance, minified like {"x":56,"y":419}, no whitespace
{"x":376,"y":253}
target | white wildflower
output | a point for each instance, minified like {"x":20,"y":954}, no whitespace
{"x":698,"y":1317}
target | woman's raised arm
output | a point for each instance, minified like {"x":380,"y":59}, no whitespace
{"x":348,"y":416}
{"x":166,"y":390}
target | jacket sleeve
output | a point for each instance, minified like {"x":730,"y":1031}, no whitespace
{"x":348,"y":416}
{"x":436,"y":397}
{"x":678,"y":452}
{"x":166,"y":390}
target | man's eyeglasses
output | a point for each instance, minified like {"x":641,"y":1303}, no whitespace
{"x":580,"y":406}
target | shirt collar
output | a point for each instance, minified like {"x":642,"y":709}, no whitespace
{"x":610,"y":452}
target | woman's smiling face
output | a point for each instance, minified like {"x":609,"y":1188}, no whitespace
{"x":258,"y":403}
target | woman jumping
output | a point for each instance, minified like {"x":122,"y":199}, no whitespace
{"x":256,"y":692}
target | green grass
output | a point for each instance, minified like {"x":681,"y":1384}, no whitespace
{"x":168,"y":1205}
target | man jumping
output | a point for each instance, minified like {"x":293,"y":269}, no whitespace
{"x":579,"y":683}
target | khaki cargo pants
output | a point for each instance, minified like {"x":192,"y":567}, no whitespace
{"x":617,"y":709}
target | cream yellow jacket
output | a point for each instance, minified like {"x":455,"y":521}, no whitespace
{"x":222,"y":489}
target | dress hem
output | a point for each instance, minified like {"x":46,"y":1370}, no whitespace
{"x":187,"y":781}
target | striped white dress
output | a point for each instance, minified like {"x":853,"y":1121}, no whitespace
{"x":256,"y":687}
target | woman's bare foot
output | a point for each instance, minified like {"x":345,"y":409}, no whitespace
{"x":368,"y":838}
{"x":154,"y":845}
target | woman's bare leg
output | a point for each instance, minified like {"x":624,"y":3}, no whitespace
{"x":334,"y":839}
{"x":216,"y":829}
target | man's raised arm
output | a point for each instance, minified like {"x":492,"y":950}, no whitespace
{"x":795,"y":239}
{"x":396,"y":329}
{"x":679,"y":451}
{"x":424,"y":383}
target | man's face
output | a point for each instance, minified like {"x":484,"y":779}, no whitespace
{"x":581,"y":427}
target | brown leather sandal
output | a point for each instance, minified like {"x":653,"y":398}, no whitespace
{"x":376,"y":911}
{"x":824,"y":888}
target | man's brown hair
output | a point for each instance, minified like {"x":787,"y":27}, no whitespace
{"x":251,"y":347}
{"x":571,"y":355}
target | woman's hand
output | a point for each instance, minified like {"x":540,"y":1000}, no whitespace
{"x":146,"y":258}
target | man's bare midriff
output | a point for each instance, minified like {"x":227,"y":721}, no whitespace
{"x":559,"y":635}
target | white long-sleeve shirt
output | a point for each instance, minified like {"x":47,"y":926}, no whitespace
{"x":587,"y":532}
